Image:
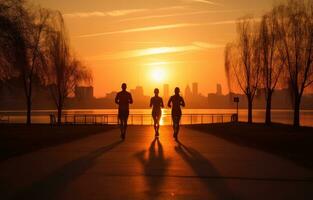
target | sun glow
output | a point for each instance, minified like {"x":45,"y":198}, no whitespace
{"x":158,"y":74}
{"x":157,"y":71}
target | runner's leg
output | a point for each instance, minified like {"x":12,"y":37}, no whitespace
{"x":178,"y":125}
{"x":125,"y":123}
{"x":157,"y":124}
{"x":173,"y":121}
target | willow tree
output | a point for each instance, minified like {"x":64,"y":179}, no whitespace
{"x":12,"y":43}
{"x":295,"y":27}
{"x":272,"y":62}
{"x":24,"y":33}
{"x":64,"y":71}
{"x":6,"y":29}
{"x":242,"y":61}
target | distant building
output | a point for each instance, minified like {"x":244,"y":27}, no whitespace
{"x":188,"y":93}
{"x":111,"y":95}
{"x":195,"y":91}
{"x":137,"y":92}
{"x":219,"y":89}
{"x":84,"y":93}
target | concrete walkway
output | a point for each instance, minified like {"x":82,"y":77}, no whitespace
{"x":201,"y":167}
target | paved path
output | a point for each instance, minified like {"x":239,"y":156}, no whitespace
{"x":201,"y":167}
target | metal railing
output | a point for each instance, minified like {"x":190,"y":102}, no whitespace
{"x":146,"y":119}
{"x":4,"y":118}
{"x":112,"y":119}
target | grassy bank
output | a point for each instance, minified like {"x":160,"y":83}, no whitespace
{"x":283,"y":140}
{"x":19,"y":139}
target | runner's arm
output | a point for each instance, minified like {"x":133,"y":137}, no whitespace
{"x":182,"y":103}
{"x":169,"y":102}
{"x":116,"y":99}
{"x":130,"y":99}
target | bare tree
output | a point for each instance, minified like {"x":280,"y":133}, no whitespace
{"x":64,"y":71}
{"x":23,"y":48}
{"x":272,"y":62}
{"x":295,"y":27}
{"x":10,"y":37}
{"x":35,"y":36}
{"x":242,"y":61}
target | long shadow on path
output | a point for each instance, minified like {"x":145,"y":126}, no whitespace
{"x":50,"y":186}
{"x":155,"y":167}
{"x":206,"y":172}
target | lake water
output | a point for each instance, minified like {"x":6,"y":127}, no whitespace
{"x":281,"y":116}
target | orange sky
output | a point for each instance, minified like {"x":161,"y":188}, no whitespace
{"x":151,"y":42}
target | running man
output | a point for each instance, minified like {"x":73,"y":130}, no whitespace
{"x":123,"y":99}
{"x":156,"y":103}
{"x":175,"y":102}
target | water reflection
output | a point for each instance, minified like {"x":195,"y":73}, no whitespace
{"x":280,"y":116}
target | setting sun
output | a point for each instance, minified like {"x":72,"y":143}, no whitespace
{"x":158,"y":71}
{"x":158,"y":74}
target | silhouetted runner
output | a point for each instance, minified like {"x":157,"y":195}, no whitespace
{"x":123,"y":99}
{"x":156,"y":103}
{"x":175,"y":102}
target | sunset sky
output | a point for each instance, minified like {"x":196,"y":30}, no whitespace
{"x":152,"y":42}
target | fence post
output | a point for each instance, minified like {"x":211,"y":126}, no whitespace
{"x":212,"y":119}
{"x":85,"y":119}
{"x":191,"y":119}
{"x":201,"y":119}
{"x":222,"y":119}
{"x":141,"y":119}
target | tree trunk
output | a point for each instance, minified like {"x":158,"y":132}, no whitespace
{"x":59,"y":114}
{"x":29,"y":100}
{"x":249,"y":110}
{"x":268,"y":116}
{"x":29,"y":108}
{"x":60,"y":107}
{"x":296,"y":113}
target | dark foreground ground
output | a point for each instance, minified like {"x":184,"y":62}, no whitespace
{"x":295,"y":144}
{"x":20,"y":139}
{"x":203,"y":165}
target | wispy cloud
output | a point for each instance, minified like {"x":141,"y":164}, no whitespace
{"x":113,"y":13}
{"x":206,"y":45}
{"x":224,"y":22}
{"x":205,"y":2}
{"x":195,"y":46}
{"x":156,"y":28}
{"x":165,"y":15}
{"x":142,"y":29}
{"x":179,"y":14}
{"x":116,"y":13}
{"x":257,"y":19}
